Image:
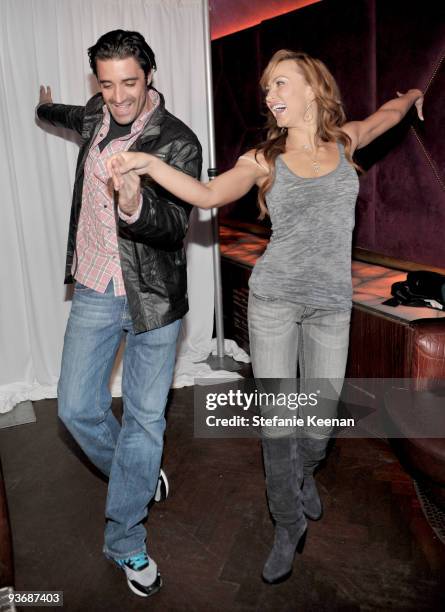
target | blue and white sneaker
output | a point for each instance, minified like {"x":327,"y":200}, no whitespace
{"x":142,"y":574}
{"x":162,"y":488}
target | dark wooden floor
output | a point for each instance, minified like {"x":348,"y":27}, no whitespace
{"x":372,"y":551}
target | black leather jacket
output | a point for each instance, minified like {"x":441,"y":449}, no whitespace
{"x":151,"y":249}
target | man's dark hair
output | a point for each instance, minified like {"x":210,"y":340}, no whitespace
{"x":120,"y":44}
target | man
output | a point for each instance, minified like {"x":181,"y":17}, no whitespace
{"x":126,"y":256}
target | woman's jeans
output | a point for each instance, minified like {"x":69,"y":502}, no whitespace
{"x":284,"y":336}
{"x":128,"y":454}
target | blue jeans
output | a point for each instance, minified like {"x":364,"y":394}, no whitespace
{"x":129,"y":455}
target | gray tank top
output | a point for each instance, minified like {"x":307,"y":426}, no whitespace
{"x":308,"y":258}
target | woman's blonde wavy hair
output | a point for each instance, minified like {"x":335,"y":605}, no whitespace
{"x":330,"y":115}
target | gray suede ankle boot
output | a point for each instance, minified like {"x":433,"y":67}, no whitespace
{"x":278,"y":566}
{"x":284,"y":475}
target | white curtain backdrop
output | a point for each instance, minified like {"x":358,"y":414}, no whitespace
{"x":45,"y":42}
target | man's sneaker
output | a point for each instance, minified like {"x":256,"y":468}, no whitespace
{"x":162,"y":487}
{"x":142,"y":574}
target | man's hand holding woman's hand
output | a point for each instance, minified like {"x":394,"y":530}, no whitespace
{"x":129,"y":193}
{"x":125,"y":170}
{"x":128,"y":162}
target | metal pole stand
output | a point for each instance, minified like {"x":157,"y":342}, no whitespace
{"x":220,"y":361}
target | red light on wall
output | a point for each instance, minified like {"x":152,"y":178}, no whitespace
{"x":229,"y":16}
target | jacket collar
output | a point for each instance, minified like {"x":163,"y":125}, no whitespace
{"x":152,"y":128}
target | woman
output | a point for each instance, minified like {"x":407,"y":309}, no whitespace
{"x":300,"y":290}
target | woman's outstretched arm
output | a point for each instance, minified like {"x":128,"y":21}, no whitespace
{"x":386,"y":117}
{"x":227,"y":187}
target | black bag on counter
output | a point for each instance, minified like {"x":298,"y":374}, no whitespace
{"x":421,"y":288}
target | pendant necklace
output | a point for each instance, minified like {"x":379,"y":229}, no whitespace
{"x":314,"y":161}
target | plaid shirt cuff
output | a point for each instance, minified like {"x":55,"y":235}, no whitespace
{"x":131,"y":218}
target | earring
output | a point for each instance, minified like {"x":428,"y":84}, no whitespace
{"x":283,"y":130}
{"x":308,"y":115}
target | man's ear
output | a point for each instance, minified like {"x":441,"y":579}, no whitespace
{"x":149,"y":78}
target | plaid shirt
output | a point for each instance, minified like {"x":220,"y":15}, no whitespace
{"x":97,"y":246}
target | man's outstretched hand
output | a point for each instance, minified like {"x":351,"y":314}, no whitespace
{"x":45,"y":95}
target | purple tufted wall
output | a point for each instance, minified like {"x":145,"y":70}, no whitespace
{"x":374,"y":48}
